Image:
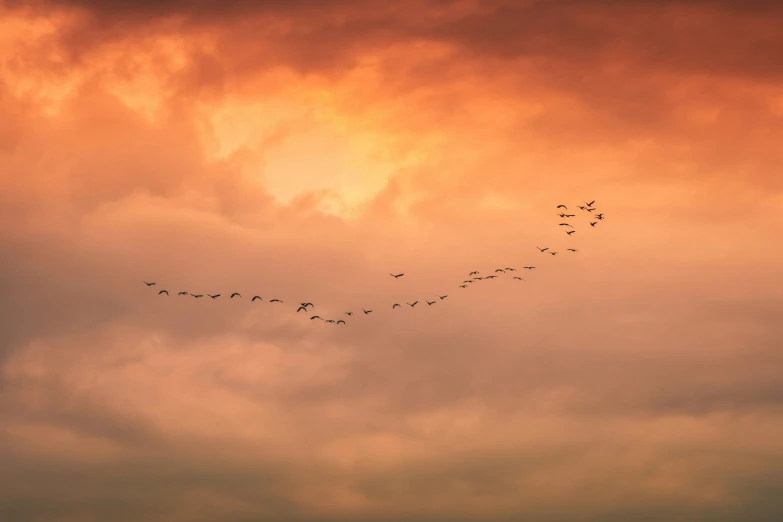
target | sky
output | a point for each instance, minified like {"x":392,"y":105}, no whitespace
{"x":304,"y":150}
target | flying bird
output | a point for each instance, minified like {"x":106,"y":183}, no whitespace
{"x":573,"y":250}
{"x":431,"y":302}
{"x":562,"y":215}
{"x":599,"y":216}
{"x":349,"y":314}
{"x":582,"y":207}
{"x":340,"y":321}
{"x":395,"y":276}
{"x":163,"y":292}
{"x":562,"y":206}
{"x":529,"y":267}
{"x":463,"y":286}
{"x":197,"y":295}
{"x":301,"y":308}
{"x":182,"y":293}
{"x":491,"y":277}
{"x":395,"y":305}
{"x":569,"y":232}
{"x":553,"y":253}
{"x":414,"y":303}
{"x":235,"y":294}
{"x":275,"y":301}
{"x":566,"y":225}
{"x":150,"y":284}
{"x":329,"y":321}
{"x":468,"y":281}
{"x":500,"y":270}
{"x":214,"y":296}
{"x":316,"y":317}
{"x":307,"y":304}
{"x":256,"y":297}
{"x":590,"y":204}
{"x":543,"y":249}
{"x":511,"y":269}
{"x":593,"y":223}
{"x":366,"y":311}
{"x":515,"y":277}
{"x":470,"y":274}
{"x":442,"y":297}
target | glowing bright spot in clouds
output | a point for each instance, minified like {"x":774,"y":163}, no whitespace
{"x":303,"y":151}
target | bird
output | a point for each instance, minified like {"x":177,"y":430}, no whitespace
{"x":566,"y":225}
{"x":491,"y":277}
{"x":593,"y":223}
{"x":395,"y":305}
{"x":256,"y":297}
{"x":553,"y":253}
{"x":442,"y":297}
{"x":182,"y":293}
{"x":316,"y":317}
{"x":301,"y":308}
{"x":349,"y":314}
{"x":214,"y":296}
{"x":582,"y":207}
{"x":573,"y":250}
{"x":468,"y":281}
{"x":366,"y":311}
{"x":543,"y":249}
{"x":163,"y":292}
{"x":463,"y":286}
{"x":197,"y":295}
{"x":275,"y":301}
{"x":478,"y":278}
{"x":590,"y":204}
{"x":511,"y":269}
{"x":414,"y":303}
{"x":599,"y":216}
{"x":515,"y":277}
{"x":340,"y":321}
{"x":562,"y":206}
{"x":569,"y":232}
{"x":329,"y":321}
{"x":529,"y":267}
{"x":470,"y":274}
{"x":307,"y":304}
{"x":589,"y":209}
{"x":562,"y":215}
{"x":500,"y":270}
{"x":431,"y":302}
{"x":235,"y":294}
{"x":150,"y":284}
{"x":569,"y":215}
{"x":395,"y":276}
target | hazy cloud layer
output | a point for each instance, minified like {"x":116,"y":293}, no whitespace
{"x":305,"y":150}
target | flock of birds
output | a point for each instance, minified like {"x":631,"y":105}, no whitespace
{"x":473,"y":277}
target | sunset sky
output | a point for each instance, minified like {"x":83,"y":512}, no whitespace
{"x":304,"y":150}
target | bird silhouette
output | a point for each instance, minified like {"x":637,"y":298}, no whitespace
{"x":566,"y":225}
{"x":569,"y":232}
{"x":500,"y":270}
{"x":329,"y":321}
{"x":562,"y":206}
{"x":431,"y":302}
{"x":573,"y":250}
{"x":491,"y":277}
{"x":442,"y":297}
{"x":366,"y":311}
{"x":470,"y":274}
{"x":468,"y":281}
{"x":235,"y":294}
{"x":553,"y":253}
{"x":316,"y":317}
{"x":307,"y":304}
{"x":463,"y":286}
{"x":150,"y":284}
{"x":562,"y":215}
{"x":301,"y":309}
{"x":163,"y":292}
{"x":593,"y":223}
{"x":395,"y":305}
{"x":515,"y":277}
{"x":197,"y":295}
{"x":599,"y":216}
{"x":511,"y":269}
{"x":182,"y":293}
{"x":529,"y":267}
{"x":414,"y":303}
{"x":275,"y":301}
{"x":340,"y":321}
{"x":543,"y":249}
{"x":569,"y":215}
{"x":256,"y":297}
{"x":214,"y":296}
{"x":590,"y":204}
{"x":395,"y":276}
{"x":582,"y":207}
{"x":349,"y":314}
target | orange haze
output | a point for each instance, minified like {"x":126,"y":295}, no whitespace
{"x":304,"y":150}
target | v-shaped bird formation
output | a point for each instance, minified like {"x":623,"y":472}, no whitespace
{"x":473,"y":276}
